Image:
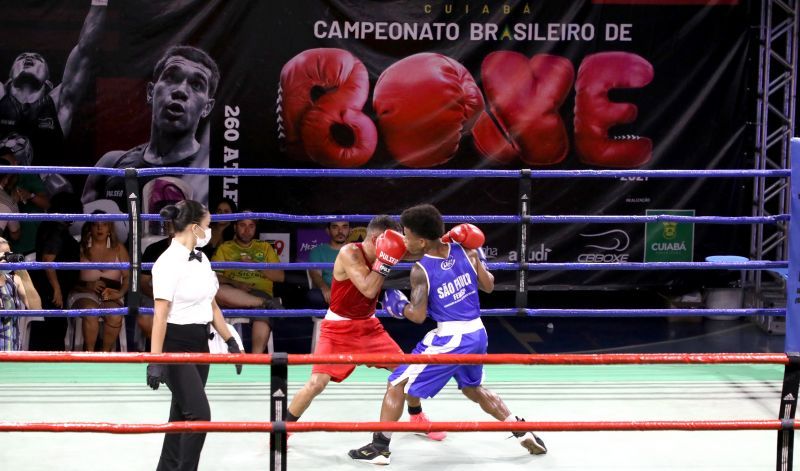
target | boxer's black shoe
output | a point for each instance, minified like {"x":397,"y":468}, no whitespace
{"x":370,"y":454}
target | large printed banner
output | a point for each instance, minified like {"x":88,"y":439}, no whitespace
{"x":547,"y":84}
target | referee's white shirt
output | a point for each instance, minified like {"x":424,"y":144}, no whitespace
{"x":188,"y":285}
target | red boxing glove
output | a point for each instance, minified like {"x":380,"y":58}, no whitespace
{"x":424,"y":104}
{"x":322,"y":92}
{"x":389,"y":249}
{"x":595,"y":114}
{"x":468,"y":235}
{"x":524,"y":98}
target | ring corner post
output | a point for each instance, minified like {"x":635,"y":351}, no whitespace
{"x":791,"y":375}
{"x":135,"y":223}
{"x":278,"y":396}
{"x":524,"y":198}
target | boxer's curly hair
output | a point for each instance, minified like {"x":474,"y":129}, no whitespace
{"x":425,"y":220}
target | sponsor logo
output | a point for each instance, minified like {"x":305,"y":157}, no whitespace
{"x":448,"y":264}
{"x":669,"y":230}
{"x":10,"y":122}
{"x":308,"y":246}
{"x":386,"y":257}
{"x":667,"y":241}
{"x":46,"y":123}
{"x":538,"y":253}
{"x":669,"y":246}
{"x":615,"y":241}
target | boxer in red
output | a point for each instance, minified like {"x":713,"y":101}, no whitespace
{"x":350,"y":325}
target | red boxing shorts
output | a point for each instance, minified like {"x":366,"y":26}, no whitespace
{"x":352,"y":336}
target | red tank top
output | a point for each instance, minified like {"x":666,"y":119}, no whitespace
{"x":347,"y":300}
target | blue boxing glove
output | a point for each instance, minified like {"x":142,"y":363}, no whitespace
{"x":394,"y":301}
{"x":482,"y":257}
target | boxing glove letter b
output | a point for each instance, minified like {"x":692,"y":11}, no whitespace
{"x":322,"y":92}
{"x":424,"y":104}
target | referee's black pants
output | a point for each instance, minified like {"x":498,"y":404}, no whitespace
{"x":181,"y":451}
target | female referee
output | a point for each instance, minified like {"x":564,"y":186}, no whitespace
{"x":183,"y":288}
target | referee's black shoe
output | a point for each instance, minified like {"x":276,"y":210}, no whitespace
{"x":371,"y":454}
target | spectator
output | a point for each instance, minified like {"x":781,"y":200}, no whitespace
{"x":338,"y":233}
{"x":100,"y":288}
{"x":221,"y":231}
{"x":249,"y":288}
{"x":12,"y":296}
{"x":8,"y":184}
{"x":30,"y":194}
{"x":150,"y":255}
{"x":54,"y":243}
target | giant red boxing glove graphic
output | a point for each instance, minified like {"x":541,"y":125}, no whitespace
{"x":524,"y":97}
{"x":424,"y":104}
{"x":595,"y":114}
{"x":322,"y":92}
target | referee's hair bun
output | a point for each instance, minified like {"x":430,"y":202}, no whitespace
{"x":169,"y":211}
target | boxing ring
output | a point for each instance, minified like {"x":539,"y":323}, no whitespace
{"x":538,"y":386}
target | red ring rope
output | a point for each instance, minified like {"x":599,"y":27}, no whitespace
{"x":382,"y":359}
{"x":686,"y":425}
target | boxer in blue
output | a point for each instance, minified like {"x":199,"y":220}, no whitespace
{"x":444,"y":285}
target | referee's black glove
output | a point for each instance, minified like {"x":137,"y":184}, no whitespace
{"x":233,"y":347}
{"x":156,"y":374}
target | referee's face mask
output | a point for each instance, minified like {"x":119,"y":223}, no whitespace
{"x":206,"y":237}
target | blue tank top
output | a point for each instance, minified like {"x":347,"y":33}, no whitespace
{"x":452,"y":286}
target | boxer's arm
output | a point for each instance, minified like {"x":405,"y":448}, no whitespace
{"x":417,"y":309}
{"x":485,"y":278}
{"x":79,"y":63}
{"x":95,"y":184}
{"x":368,"y":282}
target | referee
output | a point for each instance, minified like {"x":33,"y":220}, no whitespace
{"x":183,"y":288}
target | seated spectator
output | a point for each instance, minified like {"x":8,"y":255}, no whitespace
{"x":8,"y":184}
{"x":150,"y":255}
{"x":320,"y":295}
{"x":54,"y":243}
{"x":248,"y":288}
{"x":12,"y":296}
{"x":29,"y":194}
{"x":100,"y":288}
{"x":221,"y":231}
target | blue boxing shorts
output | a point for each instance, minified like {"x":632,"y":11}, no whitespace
{"x":425,"y":381}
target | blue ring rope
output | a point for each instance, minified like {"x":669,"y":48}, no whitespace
{"x":773,"y":312}
{"x":425,"y":173}
{"x":401,"y":173}
{"x":751,"y":265}
{"x":509,"y":219}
